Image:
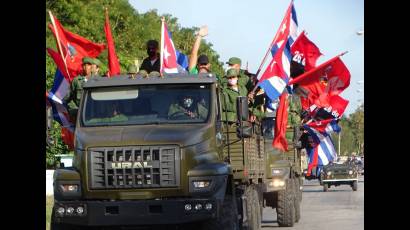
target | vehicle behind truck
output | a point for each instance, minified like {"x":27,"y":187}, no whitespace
{"x":284,"y":175}
{"x":137,"y":163}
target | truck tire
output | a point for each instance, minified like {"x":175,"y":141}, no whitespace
{"x":297,"y":199}
{"x":253,"y":211}
{"x":57,"y":226}
{"x":228,"y":219}
{"x":325,"y":187}
{"x":354,"y":185}
{"x":285,"y":206}
{"x":298,"y":184}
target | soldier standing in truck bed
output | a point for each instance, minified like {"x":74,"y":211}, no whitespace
{"x":76,"y":88}
{"x":152,"y":62}
{"x":231,"y":92}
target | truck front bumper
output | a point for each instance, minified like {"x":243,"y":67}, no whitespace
{"x":138,"y":212}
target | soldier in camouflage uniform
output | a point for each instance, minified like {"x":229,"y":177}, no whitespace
{"x":243,"y":79}
{"x":76,"y":88}
{"x":230,"y":93}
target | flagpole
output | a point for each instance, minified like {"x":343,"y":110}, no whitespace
{"x":162,"y":46}
{"x":270,"y":47}
{"x":58,"y":43}
{"x":292,"y":81}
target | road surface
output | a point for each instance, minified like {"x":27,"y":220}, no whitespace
{"x":340,"y":208}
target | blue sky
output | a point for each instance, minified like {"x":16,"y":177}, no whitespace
{"x":245,"y":29}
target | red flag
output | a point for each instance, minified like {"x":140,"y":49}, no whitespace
{"x":168,"y":52}
{"x":305,"y":52}
{"x":324,"y":81}
{"x":113,"y":64}
{"x":59,"y":62}
{"x":72,"y":48}
{"x":279,"y":140}
{"x":68,"y":137}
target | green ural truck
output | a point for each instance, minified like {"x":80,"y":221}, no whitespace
{"x":338,"y":174}
{"x":136,"y":163}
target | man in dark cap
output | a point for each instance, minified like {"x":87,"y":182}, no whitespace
{"x":199,"y":64}
{"x":152,"y":62}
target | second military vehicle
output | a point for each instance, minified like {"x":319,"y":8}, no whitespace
{"x":338,"y":174}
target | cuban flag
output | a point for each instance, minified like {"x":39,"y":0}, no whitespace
{"x":324,"y":151}
{"x":276,"y":76}
{"x":172,"y":60}
{"x":55,"y":98}
{"x":325,"y":127}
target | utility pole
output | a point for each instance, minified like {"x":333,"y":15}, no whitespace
{"x":339,"y":143}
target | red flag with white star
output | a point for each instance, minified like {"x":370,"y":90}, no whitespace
{"x":168,"y":53}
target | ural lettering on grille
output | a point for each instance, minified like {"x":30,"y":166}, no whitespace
{"x":134,"y":167}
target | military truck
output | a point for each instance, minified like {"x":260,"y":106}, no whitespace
{"x":137,"y":164}
{"x":339,"y":174}
{"x":285,"y":177}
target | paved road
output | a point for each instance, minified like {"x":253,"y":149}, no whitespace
{"x":338,"y":209}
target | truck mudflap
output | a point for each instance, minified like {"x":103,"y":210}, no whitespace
{"x":138,"y":212}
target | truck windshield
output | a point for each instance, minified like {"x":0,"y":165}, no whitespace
{"x":148,"y":104}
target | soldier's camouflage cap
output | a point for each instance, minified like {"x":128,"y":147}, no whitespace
{"x":96,"y":62}
{"x":132,"y":69}
{"x":234,"y":60}
{"x":87,"y":60}
{"x":154,"y":74}
{"x":232,"y":73}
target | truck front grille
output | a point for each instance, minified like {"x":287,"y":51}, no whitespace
{"x":134,"y":167}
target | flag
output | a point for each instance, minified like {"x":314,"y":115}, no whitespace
{"x":276,"y":76}
{"x":59,"y":108}
{"x":334,"y":109}
{"x":113,"y":64}
{"x":168,"y":53}
{"x":325,"y":127}
{"x":290,"y":25}
{"x":324,"y":151}
{"x":182,"y":61}
{"x":72,"y":48}
{"x":324,"y":81}
{"x":305,"y":52}
{"x":279,"y":140}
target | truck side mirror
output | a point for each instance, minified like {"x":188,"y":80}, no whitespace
{"x":244,"y":129}
{"x":242,"y":111}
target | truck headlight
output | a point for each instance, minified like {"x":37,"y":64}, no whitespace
{"x":277,"y":183}
{"x":350,"y":172}
{"x":201,"y":184}
{"x":69,"y":188}
{"x":277,"y":171}
{"x":329,"y":173}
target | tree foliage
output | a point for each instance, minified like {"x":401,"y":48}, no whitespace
{"x":130,"y":31}
{"x":352,"y":134}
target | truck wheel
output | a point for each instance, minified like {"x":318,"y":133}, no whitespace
{"x":325,"y":187}
{"x":285,"y":206}
{"x":253,"y":211}
{"x":354,"y":185}
{"x":297,"y":199}
{"x":299,"y":182}
{"x":57,"y":226}
{"x":228,"y":219}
